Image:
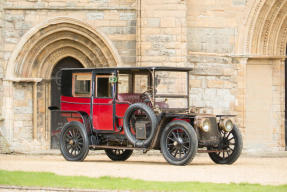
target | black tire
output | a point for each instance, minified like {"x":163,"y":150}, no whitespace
{"x":118,"y":154}
{"x":178,"y":136}
{"x":128,"y":127}
{"x":74,"y":143}
{"x":230,"y":151}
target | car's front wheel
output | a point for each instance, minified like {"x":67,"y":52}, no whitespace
{"x":74,"y":143}
{"x":178,"y":142}
{"x":118,"y":154}
{"x":230,"y":147}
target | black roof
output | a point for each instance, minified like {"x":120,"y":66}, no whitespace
{"x":157,"y":68}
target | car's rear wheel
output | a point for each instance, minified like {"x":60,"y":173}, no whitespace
{"x":118,"y":154}
{"x":74,"y":143}
{"x":178,"y":142}
{"x":230,"y":147}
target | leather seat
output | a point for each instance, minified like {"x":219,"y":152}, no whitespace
{"x":130,"y":98}
{"x":136,"y":98}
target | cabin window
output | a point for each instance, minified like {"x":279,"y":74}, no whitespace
{"x":82,"y":84}
{"x":103,"y":86}
{"x":124,"y":83}
{"x":140,"y":83}
{"x":171,"y":83}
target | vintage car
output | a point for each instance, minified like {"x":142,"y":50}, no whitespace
{"x":122,"y":109}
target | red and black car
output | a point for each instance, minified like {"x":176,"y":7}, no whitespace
{"x":121,"y":109}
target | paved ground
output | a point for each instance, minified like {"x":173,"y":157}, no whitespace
{"x":261,"y":170}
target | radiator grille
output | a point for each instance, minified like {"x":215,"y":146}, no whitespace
{"x":212,"y":137}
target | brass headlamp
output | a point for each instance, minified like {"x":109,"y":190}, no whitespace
{"x":203,"y":124}
{"x":226,"y":125}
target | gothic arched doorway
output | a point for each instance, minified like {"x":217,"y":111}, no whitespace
{"x":32,"y":63}
{"x":67,"y":62}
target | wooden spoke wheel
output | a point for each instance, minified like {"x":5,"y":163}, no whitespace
{"x":74,"y":141}
{"x":118,"y":154}
{"x":230,"y":147}
{"x":179,"y":143}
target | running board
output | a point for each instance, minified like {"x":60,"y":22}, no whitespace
{"x":115,"y":147}
{"x":134,"y":148}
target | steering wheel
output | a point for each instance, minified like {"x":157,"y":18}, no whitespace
{"x":147,"y":96}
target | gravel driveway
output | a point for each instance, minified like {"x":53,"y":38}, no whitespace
{"x":153,"y":167}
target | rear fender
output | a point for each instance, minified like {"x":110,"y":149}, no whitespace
{"x":69,"y":116}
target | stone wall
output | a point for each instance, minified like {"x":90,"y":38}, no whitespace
{"x":4,"y":146}
{"x":217,"y":38}
{"x":213,"y":49}
{"x":211,"y":40}
{"x":114,"y":18}
{"x":23,"y":115}
{"x":278,"y":104}
{"x":162,"y":38}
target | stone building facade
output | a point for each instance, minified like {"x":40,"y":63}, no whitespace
{"x":236,"y":47}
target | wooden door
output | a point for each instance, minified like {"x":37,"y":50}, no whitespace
{"x":258,"y":106}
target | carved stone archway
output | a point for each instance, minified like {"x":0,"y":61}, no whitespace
{"x":262,"y":44}
{"x":32,"y":62}
{"x":46,"y":44}
{"x":265,"y":31}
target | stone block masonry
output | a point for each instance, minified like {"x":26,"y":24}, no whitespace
{"x":162,"y":38}
{"x":23,"y":112}
{"x":4,"y":145}
{"x":218,"y":38}
{"x":210,"y":39}
{"x":116,"y":19}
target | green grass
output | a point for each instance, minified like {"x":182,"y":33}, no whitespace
{"x":44,"y":179}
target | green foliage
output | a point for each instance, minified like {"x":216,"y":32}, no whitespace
{"x":44,"y":179}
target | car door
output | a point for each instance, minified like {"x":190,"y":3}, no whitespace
{"x":103,"y":103}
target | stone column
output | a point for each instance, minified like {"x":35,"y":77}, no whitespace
{"x":43,"y":101}
{"x":19,"y":106}
{"x":283,"y":84}
{"x":1,"y":48}
{"x":240,"y":78}
{"x":3,"y":141}
{"x":278,"y":88}
{"x":6,"y":124}
{"x":1,"y":56}
{"x":7,"y":110}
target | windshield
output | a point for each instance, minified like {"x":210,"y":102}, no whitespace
{"x":171,"y":88}
{"x":158,"y":88}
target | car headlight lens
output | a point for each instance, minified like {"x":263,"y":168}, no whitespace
{"x":203,"y":124}
{"x":226,"y":125}
{"x":206,"y":125}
